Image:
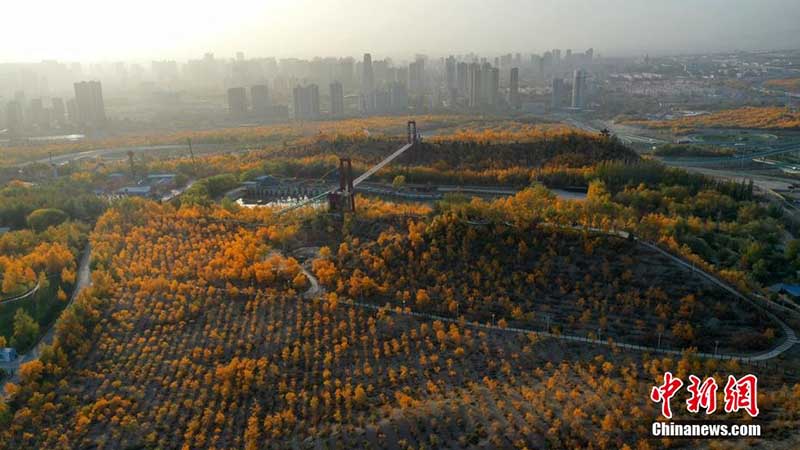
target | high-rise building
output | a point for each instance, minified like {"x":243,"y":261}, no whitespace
{"x":416,"y":76}
{"x":398,"y":96}
{"x":306,"y":102}
{"x":367,"y":84}
{"x":37,"y":114}
{"x":493,"y":87}
{"x":58,"y":114}
{"x":259,"y":97}
{"x":337,"y":99}
{"x":237,"y":102}
{"x":14,"y":118}
{"x":513,"y":89}
{"x":72,"y":111}
{"x":450,"y":73}
{"x":90,"y":105}
{"x":474,"y":87}
{"x":461,"y":78}
{"x":344,"y":73}
{"x":578,"y":88}
{"x":367,"y":75}
{"x":557,"y":95}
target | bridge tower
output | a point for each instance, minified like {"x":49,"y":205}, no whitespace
{"x":413,"y":136}
{"x":344,"y":199}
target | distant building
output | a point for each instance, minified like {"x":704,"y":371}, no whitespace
{"x":259,"y":97}
{"x":237,"y":102}
{"x":474,"y":85}
{"x":306,"y":102}
{"x":137,"y":191}
{"x":91,"y":109}
{"x":337,"y":99}
{"x":490,"y":84}
{"x":72,"y":111}
{"x":450,"y":73}
{"x":557,"y":96}
{"x":367,"y":75}
{"x":37,"y":114}
{"x":462,"y":70}
{"x":578,"y":88}
{"x":513,"y":90}
{"x":398,"y":96}
{"x":59,"y":112}
{"x":416,"y":76}
{"x":14,"y":118}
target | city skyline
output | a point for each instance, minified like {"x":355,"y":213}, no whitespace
{"x":305,"y":29}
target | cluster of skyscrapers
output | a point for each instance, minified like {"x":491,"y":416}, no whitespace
{"x":259,"y":105}
{"x":277,"y":89}
{"x":86,"y":111}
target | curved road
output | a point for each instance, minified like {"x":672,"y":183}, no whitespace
{"x":83,"y":280}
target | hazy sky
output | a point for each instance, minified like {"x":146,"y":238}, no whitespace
{"x":33,"y":30}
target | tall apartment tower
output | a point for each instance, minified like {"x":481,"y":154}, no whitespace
{"x":398,"y":96}
{"x":306,"y":102}
{"x":578,"y":88}
{"x":513,"y":89}
{"x":493,"y":87}
{"x":14,"y":118}
{"x":461,"y":77}
{"x":367,"y":84}
{"x":337,"y":99}
{"x":259,"y":97}
{"x":367,"y":75}
{"x":558,"y":93}
{"x":450,"y":73}
{"x":416,"y":76}
{"x":89,"y":101}
{"x":237,"y":102}
{"x":59,"y":111}
{"x":474,"y":85}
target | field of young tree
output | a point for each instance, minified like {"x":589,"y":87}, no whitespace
{"x":196,"y":333}
{"x":747,"y":117}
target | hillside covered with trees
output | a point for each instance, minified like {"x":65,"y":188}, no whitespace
{"x":200,"y":331}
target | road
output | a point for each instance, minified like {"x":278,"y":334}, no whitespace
{"x":624,"y":134}
{"x":82,"y":282}
{"x":19,"y":297}
{"x":117,"y":152}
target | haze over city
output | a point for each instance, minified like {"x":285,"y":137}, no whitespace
{"x":95,"y":30}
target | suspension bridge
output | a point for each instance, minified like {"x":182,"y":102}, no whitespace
{"x":342,"y":198}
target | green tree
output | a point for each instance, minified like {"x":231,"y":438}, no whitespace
{"x":42,"y":219}
{"x":26,"y":330}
